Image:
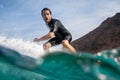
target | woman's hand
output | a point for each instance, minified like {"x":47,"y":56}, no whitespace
{"x":36,"y":40}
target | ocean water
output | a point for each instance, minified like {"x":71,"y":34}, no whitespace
{"x":24,"y":60}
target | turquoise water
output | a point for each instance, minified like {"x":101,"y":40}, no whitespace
{"x":60,"y":66}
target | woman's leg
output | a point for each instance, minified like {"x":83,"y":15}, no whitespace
{"x":46,"y":46}
{"x":67,"y":45}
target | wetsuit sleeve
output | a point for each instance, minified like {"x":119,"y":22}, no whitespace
{"x":54,"y":27}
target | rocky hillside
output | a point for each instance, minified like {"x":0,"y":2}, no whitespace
{"x":106,"y":36}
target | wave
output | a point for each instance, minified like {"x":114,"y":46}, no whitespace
{"x":60,"y":66}
{"x":24,"y":47}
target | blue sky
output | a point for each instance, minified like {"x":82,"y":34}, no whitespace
{"x":22,"y":18}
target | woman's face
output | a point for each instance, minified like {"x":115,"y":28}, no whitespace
{"x":46,"y":16}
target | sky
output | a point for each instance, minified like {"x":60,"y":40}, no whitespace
{"x":22,"y":18}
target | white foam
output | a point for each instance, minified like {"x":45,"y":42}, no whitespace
{"x":24,"y":47}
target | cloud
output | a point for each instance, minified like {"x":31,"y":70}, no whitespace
{"x":109,"y":9}
{"x":1,"y":6}
{"x":79,"y":16}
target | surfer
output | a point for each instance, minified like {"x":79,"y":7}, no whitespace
{"x":58,"y":33}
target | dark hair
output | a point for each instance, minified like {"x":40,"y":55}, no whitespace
{"x":46,"y":9}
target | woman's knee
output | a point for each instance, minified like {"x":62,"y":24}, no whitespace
{"x":46,"y":45}
{"x":65,"y":43}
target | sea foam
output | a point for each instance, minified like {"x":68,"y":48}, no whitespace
{"x":24,"y":47}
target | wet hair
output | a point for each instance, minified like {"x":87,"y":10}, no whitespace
{"x":46,"y":9}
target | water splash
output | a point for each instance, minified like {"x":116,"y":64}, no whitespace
{"x":24,"y":47}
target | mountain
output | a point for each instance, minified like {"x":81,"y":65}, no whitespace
{"x":106,"y":36}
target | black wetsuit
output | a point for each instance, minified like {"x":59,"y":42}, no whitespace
{"x":61,"y":33}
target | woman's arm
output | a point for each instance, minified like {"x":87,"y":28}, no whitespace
{"x":45,"y":37}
